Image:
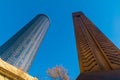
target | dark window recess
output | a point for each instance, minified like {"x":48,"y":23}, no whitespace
{"x":78,"y":16}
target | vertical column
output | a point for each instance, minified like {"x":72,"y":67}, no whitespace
{"x":95,"y":51}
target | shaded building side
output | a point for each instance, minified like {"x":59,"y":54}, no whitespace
{"x":96,"y":52}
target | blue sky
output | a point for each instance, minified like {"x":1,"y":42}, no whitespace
{"x":58,"y":46}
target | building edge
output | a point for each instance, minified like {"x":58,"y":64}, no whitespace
{"x":9,"y":72}
{"x":41,"y":14}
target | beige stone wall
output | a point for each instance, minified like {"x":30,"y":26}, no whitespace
{"x":4,"y":78}
{"x":9,"y":72}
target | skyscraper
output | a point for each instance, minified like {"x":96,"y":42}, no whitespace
{"x":21,"y":49}
{"x":97,"y":55}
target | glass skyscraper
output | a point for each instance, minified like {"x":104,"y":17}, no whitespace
{"x":21,"y":49}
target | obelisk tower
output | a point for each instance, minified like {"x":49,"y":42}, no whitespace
{"x":21,"y":49}
{"x":98,"y":56}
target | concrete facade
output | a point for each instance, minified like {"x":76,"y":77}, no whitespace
{"x":96,"y":53}
{"x":9,"y":72}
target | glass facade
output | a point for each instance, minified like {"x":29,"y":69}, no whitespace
{"x":21,"y":49}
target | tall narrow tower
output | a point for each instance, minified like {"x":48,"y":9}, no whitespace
{"x":21,"y":49}
{"x":98,"y":56}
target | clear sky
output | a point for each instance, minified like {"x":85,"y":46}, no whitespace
{"x":58,"y":46}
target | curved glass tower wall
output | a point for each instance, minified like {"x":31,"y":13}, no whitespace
{"x":21,"y":49}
